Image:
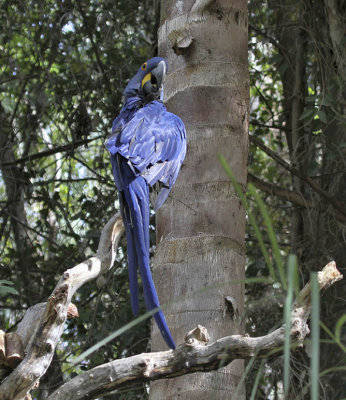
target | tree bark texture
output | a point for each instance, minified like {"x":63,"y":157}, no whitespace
{"x":200,"y":256}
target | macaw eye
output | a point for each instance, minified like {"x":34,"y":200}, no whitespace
{"x":144,"y":66}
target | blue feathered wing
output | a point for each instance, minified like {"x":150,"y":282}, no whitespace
{"x":146,"y":149}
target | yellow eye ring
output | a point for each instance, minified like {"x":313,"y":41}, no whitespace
{"x":144,"y":66}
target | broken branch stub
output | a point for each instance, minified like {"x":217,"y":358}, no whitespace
{"x":14,"y":350}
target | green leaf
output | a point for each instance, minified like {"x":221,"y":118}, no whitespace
{"x":322,"y":116}
{"x":276,"y":58}
{"x":282,"y":69}
{"x":311,"y":99}
{"x":338,"y":326}
{"x":5,"y":290}
{"x":4,"y":282}
{"x":327,"y":101}
{"x":308,"y":114}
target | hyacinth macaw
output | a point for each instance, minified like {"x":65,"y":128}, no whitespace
{"x":147,"y":146}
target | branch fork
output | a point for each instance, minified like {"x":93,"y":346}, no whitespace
{"x":49,"y":318}
{"x":195,"y":354}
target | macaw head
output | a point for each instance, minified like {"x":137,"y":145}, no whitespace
{"x":148,"y":82}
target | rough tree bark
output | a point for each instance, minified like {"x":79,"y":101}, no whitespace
{"x":200,"y":229}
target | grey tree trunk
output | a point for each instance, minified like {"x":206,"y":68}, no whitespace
{"x":200,"y":255}
{"x":294,"y":88}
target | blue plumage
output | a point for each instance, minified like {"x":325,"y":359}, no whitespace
{"x":147,"y":146}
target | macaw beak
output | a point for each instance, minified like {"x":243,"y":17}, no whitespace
{"x":152,"y":83}
{"x":158,"y":74}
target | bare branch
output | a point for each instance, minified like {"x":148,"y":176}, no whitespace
{"x":195,"y":354}
{"x":41,"y":346}
{"x":289,"y":195}
{"x":317,"y":188}
{"x":49,"y":152}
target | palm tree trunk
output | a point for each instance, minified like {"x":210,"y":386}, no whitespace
{"x":200,"y":257}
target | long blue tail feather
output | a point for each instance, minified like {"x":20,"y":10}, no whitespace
{"x":136,"y":212}
{"x":131,"y":247}
{"x":139,"y":192}
{"x":132,"y":268}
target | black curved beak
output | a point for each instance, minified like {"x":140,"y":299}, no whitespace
{"x":153,"y":82}
{"x":158,"y":74}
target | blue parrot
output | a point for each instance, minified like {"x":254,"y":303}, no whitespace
{"x":147,"y":146}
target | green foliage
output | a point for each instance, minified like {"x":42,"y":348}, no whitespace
{"x":297,"y":110}
{"x":6,"y":288}
{"x":292,"y":287}
{"x":64,"y":65}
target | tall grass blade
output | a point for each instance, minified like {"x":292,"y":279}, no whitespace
{"x":244,"y":375}
{"x":291,"y":278}
{"x":315,"y":337}
{"x":332,"y":336}
{"x":271,"y":233}
{"x":113,"y":335}
{"x":338,"y":326}
{"x":257,"y":380}
{"x":252,"y":219}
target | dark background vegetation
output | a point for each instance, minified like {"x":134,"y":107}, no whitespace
{"x":64,"y":65}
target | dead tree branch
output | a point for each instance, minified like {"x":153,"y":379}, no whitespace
{"x":195,"y":354}
{"x":41,"y":342}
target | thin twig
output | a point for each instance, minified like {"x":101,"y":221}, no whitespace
{"x":336,"y":204}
